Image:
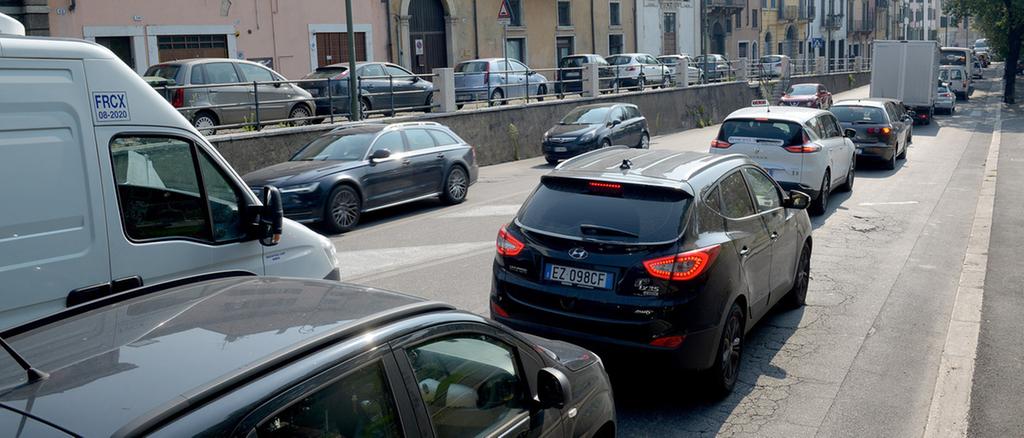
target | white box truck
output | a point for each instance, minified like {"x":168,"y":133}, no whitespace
{"x":106,"y":187}
{"x":907,"y":71}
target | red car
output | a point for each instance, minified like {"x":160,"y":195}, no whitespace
{"x":807,"y":95}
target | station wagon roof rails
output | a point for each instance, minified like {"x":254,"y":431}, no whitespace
{"x":357,"y":125}
{"x":408,"y":124}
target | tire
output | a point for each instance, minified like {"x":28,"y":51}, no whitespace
{"x":456,"y":186}
{"x":797,"y":295}
{"x":820,"y":204}
{"x":606,"y":143}
{"x":541,"y":91}
{"x":298,"y":112}
{"x":616,"y":86}
{"x":641,"y":83}
{"x":903,"y":154}
{"x":364,"y":106}
{"x":497,"y":97}
{"x":343,"y":209}
{"x":204,"y":121}
{"x":721,"y":377}
{"x":551,"y":161}
{"x":428,"y":103}
{"x":891,"y":164}
{"x":851,"y":175}
{"x":645,"y":142}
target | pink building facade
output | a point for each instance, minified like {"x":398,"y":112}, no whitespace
{"x":292,"y":36}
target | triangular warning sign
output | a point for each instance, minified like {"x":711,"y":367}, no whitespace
{"x":504,"y":12}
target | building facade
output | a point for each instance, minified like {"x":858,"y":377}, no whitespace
{"x":784,"y":27}
{"x":827,"y":34}
{"x":668,"y":27}
{"x":860,"y":26}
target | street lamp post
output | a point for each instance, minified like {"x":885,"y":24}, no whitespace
{"x":353,"y":99}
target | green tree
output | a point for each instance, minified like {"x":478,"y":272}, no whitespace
{"x":1002,"y":22}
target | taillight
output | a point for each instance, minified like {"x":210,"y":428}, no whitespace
{"x":507,"y":244}
{"x":720,"y":144}
{"x":341,"y":75}
{"x":497,"y":310}
{"x":806,"y":148}
{"x":668,"y":341}
{"x":682,"y":266}
{"x":178,"y":100}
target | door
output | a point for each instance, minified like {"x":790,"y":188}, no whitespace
{"x":238,"y":98}
{"x":273,"y":98}
{"x":175,"y":47}
{"x":652,"y":68}
{"x":121,"y":46}
{"x":563,"y":48}
{"x":634,"y":124}
{"x":53,"y":234}
{"x":374,"y":86}
{"x":428,"y":162}
{"x":840,"y":148}
{"x":332,"y":47}
{"x":668,"y":34}
{"x":428,"y":41}
{"x":408,"y":89}
{"x":750,"y":237}
{"x":618,"y":134}
{"x":785,"y":242}
{"x":388,"y":181}
{"x":519,"y":76}
{"x":172,"y":210}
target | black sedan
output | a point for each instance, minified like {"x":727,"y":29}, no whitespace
{"x":590,"y":127}
{"x":383,"y":88}
{"x":249,"y":356}
{"x":884,"y":129}
{"x":352,"y":170}
{"x":653,"y":257}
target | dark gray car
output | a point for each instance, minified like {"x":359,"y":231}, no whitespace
{"x":590,"y":127}
{"x":383,"y":88}
{"x":252,"y":356}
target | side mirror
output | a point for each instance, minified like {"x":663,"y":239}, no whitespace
{"x":277,"y":85}
{"x":552,"y":388}
{"x":271,"y":216}
{"x":796,"y":199}
{"x":614,"y":122}
{"x":380,"y":154}
{"x":531,"y":72}
{"x":849,"y":133}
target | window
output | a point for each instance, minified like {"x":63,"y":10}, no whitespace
{"x":398,"y":72}
{"x":442,"y":138}
{"x":220,"y":73}
{"x":370,"y":71}
{"x":829,"y":127}
{"x":735,"y":198}
{"x":618,"y":114}
{"x":516,"y":49}
{"x":255,"y":73}
{"x":615,"y":14}
{"x":753,"y":18}
{"x":614,"y":44}
{"x":198,"y":76}
{"x":708,"y":217}
{"x":470,"y":384}
{"x":743,"y":49}
{"x":175,"y":42}
{"x":358,"y":405}
{"x":391,"y":141}
{"x":419,"y":139}
{"x":516,"y":9}
{"x":668,"y":22}
{"x":564,"y":13}
{"x":160,"y":194}
{"x":764,"y":190}
{"x":517,"y":67}
{"x":563,"y":48}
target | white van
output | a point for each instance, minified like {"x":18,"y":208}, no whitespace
{"x":106,"y":187}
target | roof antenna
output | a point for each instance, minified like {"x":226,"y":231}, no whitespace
{"x":626,"y":165}
{"x":33,"y":374}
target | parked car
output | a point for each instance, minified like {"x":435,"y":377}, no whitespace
{"x":807,"y":95}
{"x":570,"y":76}
{"x":883,"y":130}
{"x":694,"y":74}
{"x":272,"y":357}
{"x":590,"y":127}
{"x":228,"y":97}
{"x":637,"y":70}
{"x":770,"y":66}
{"x":802,"y":148}
{"x":945,"y":99}
{"x":348,"y":171}
{"x":655,"y":255}
{"x":956,"y":77}
{"x":383,"y":87}
{"x":494,"y":81}
{"x":978,"y":71}
{"x":715,"y":67}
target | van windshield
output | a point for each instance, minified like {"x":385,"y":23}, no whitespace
{"x":631,"y":214}
{"x":166,"y":71}
{"x":343,"y":147}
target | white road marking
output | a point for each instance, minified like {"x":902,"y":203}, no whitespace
{"x":372,"y":261}
{"x":484,"y":210}
{"x":951,"y":398}
{"x":871,"y":204}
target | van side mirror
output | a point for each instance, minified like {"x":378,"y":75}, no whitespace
{"x":553,"y":388}
{"x":271,"y":216}
{"x":849,"y":133}
{"x":380,"y":154}
{"x":797,"y":200}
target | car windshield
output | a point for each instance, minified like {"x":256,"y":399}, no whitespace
{"x":573,"y":61}
{"x":337,"y":147}
{"x":638,"y":214}
{"x":618,"y":60}
{"x":802,"y":90}
{"x":787,"y":132}
{"x":326,"y":72}
{"x":859,"y":114}
{"x":586,"y":116}
{"x":471,"y":67}
{"x":165,"y":71}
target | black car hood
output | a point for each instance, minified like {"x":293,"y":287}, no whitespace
{"x":571,"y":130}
{"x":297,"y":172}
{"x":568,"y":355}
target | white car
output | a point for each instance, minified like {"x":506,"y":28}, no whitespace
{"x":945,"y":100}
{"x":694,"y":75}
{"x":769,"y":66}
{"x":637,"y":70}
{"x":802,"y":148}
{"x":956,"y":77}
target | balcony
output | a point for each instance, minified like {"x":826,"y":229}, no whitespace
{"x":795,"y":13}
{"x":861,"y":25}
{"x":832,"y":22}
{"x":725,"y":6}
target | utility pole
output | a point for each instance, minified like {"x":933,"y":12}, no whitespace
{"x":353,"y":84}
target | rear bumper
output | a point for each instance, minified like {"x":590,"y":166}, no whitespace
{"x":876,"y":150}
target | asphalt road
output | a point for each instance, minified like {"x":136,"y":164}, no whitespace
{"x":860,"y":360}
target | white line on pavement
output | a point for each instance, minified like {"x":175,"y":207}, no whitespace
{"x":484,"y":210}
{"x":871,"y":204}
{"x":951,"y":399}
{"x":373,"y":261}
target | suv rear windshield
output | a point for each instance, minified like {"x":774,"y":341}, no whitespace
{"x":166,"y":71}
{"x":326,"y":72}
{"x":789,"y":132}
{"x":634,"y":214}
{"x":859,"y":114}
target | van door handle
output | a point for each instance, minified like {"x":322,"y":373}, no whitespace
{"x":744,"y":251}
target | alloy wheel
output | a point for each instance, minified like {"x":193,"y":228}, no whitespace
{"x":457,"y":184}
{"x":344,"y":209}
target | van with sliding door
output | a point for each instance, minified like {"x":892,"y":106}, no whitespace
{"x":107,"y":188}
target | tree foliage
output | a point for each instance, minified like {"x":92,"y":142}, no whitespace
{"x":1002,"y":22}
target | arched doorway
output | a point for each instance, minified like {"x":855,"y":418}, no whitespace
{"x":428,"y":39}
{"x":790,"y":46}
{"x":768,"y":43}
{"x":718,"y":39}
{"x":754,"y":53}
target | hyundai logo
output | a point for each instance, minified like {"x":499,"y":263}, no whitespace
{"x":578,"y":253}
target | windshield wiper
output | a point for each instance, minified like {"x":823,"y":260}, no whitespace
{"x":590,"y":229}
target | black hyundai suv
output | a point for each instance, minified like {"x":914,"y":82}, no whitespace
{"x":247,"y":356}
{"x":673,"y":255}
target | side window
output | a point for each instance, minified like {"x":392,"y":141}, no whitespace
{"x":197,"y":78}
{"x":709,"y":218}
{"x":220,"y":73}
{"x":255,"y":73}
{"x":835,"y":129}
{"x":632,"y":112}
{"x":813,"y":128}
{"x":398,"y":72}
{"x":618,"y":114}
{"x":442,"y":138}
{"x":391,"y":141}
{"x":828,"y":127}
{"x":735,"y":197}
{"x":765,"y":193}
{"x":370,"y":71}
{"x":419,"y":139}
{"x":360,"y":404}
{"x":222,"y":200}
{"x":470,"y":384}
{"x":518,"y":67}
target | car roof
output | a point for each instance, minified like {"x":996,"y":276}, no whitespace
{"x":179,"y":346}
{"x":782,"y":113}
{"x":654,"y":167}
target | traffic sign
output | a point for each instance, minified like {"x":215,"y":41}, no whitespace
{"x":817,"y":42}
{"x":504,"y":12}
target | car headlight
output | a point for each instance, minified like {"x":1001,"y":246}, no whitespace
{"x":301,"y":188}
{"x":588,"y":137}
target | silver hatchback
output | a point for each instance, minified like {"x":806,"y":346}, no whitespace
{"x":226,"y":94}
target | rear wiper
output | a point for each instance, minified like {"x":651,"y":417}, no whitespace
{"x":607,"y":231}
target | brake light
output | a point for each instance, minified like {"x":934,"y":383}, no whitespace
{"x":178,"y":100}
{"x":803,"y":148}
{"x":719,"y":144}
{"x":668,"y":341}
{"x":682,"y":266}
{"x":507,"y":244}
